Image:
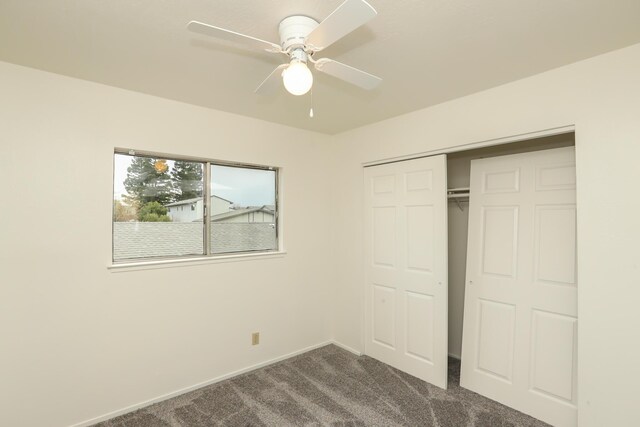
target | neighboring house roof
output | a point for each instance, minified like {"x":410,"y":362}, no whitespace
{"x":238,"y":212}
{"x":184,"y":202}
{"x":218,"y":197}
{"x":194,"y":200}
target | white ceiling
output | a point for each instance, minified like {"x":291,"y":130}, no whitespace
{"x":427,"y":51}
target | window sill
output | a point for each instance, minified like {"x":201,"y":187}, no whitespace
{"x":183,"y":262}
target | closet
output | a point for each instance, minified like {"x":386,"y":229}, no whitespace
{"x":519,"y":321}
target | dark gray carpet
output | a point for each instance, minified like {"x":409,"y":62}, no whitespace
{"x":328,"y":387}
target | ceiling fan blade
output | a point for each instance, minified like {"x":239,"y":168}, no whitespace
{"x":232,"y":36}
{"x":271,"y":83}
{"x":347,"y":73}
{"x":347,"y":17}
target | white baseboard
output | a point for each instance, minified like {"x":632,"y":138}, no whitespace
{"x":455,"y":356}
{"x":141,"y":405}
{"x":346,"y":347}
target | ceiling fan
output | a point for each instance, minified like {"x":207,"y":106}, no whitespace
{"x":301,"y":37}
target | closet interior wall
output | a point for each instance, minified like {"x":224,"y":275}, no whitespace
{"x":458,"y":176}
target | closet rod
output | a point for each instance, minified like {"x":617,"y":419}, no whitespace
{"x":458,"y":192}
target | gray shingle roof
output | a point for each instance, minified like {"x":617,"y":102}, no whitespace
{"x":242,"y":211}
{"x":194,"y":200}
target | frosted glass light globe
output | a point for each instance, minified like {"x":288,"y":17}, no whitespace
{"x":297,"y":78}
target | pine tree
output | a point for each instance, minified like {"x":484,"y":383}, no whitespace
{"x":148,"y":181}
{"x":187,"y":180}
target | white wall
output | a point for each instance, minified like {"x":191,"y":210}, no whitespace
{"x":601,"y":97}
{"x":79,"y":340}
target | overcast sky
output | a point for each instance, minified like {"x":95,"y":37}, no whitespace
{"x":246,"y":187}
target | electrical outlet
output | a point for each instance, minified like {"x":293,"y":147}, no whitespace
{"x":255,"y":338}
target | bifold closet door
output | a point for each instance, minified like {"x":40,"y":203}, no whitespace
{"x":520,"y":314}
{"x":406,"y":266}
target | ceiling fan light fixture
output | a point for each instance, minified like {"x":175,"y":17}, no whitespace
{"x":297,"y":78}
{"x":301,"y":37}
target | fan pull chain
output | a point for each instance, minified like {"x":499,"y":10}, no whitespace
{"x":311,"y":108}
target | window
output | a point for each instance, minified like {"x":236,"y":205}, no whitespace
{"x":169,"y":207}
{"x":238,"y":193}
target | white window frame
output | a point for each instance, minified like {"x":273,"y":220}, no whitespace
{"x":207,"y":256}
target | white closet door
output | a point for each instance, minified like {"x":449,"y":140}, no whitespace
{"x":406,"y":266}
{"x":520,"y":315}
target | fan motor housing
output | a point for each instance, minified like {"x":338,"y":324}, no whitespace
{"x":294,"y":31}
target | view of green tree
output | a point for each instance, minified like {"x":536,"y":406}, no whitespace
{"x":152,"y":183}
{"x":187,"y":180}
{"x":148,"y":180}
{"x":153,"y":212}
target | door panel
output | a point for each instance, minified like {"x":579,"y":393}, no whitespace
{"x":406,"y":267}
{"x":520,"y":315}
{"x":555,"y":244}
{"x":384,"y":239}
{"x":499,"y":240}
{"x":419,"y":312}
{"x":419,"y":230}
{"x":495,"y":338}
{"x":553,"y":353}
{"x":384,"y":316}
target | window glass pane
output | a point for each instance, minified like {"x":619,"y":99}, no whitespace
{"x":243,"y":209}
{"x":157,"y":208}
